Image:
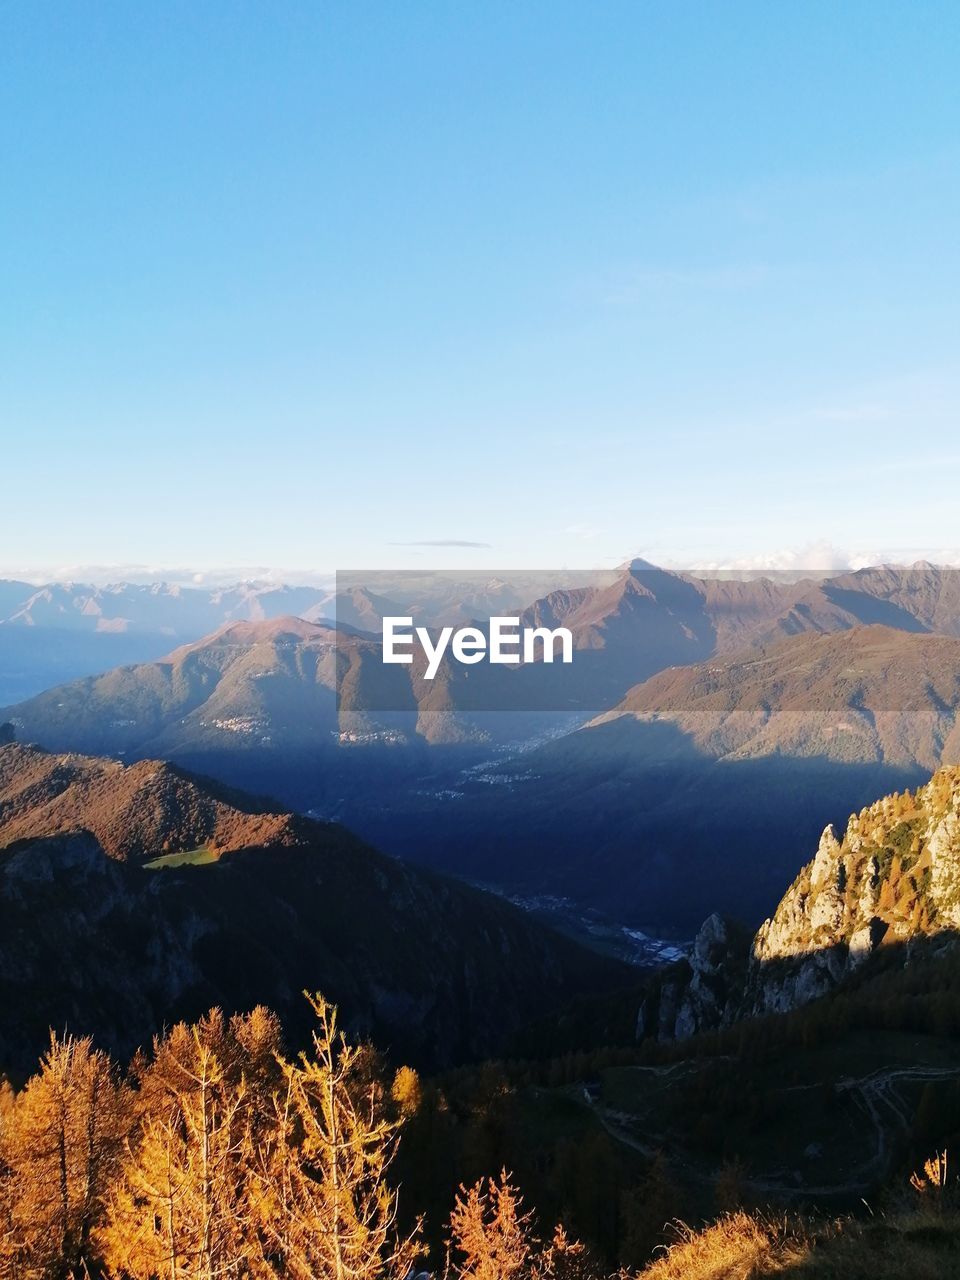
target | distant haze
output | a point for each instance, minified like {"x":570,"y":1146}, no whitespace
{"x":812,"y":558}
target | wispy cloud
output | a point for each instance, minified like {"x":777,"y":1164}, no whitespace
{"x":853,"y":413}
{"x":585,"y":532}
{"x":442,"y":542}
{"x":173,"y":575}
{"x":641,"y":282}
{"x":817,"y":557}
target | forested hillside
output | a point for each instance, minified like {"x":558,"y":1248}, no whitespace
{"x":217,"y":1153}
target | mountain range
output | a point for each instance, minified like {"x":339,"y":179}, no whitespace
{"x":640,"y":618}
{"x":814,"y":1057}
{"x":871,"y":693}
{"x":160,"y":608}
{"x":618,"y":782}
{"x":64,"y":630}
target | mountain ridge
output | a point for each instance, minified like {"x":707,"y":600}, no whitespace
{"x":618,"y":801}
{"x":877,"y":676}
{"x":136,"y":812}
{"x":120,"y":945}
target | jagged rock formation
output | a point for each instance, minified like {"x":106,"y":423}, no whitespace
{"x":704,"y":991}
{"x":893,"y":878}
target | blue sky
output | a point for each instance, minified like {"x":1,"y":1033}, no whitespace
{"x":325,"y":285}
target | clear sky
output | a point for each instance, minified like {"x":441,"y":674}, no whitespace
{"x":325,"y":284}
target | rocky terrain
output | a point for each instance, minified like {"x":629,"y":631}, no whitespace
{"x":886,"y":889}
{"x":891,"y":880}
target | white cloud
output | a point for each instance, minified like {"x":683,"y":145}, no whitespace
{"x":175,"y":575}
{"x":585,"y":532}
{"x":815,"y":558}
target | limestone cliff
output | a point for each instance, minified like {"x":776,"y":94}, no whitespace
{"x":705,"y":990}
{"x":893,"y":877}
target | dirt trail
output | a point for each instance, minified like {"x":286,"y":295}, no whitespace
{"x":876,"y":1093}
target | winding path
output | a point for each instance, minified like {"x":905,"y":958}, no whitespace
{"x":876,"y":1093}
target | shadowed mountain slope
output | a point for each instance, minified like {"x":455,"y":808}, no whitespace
{"x":706,"y":785}
{"x":784,"y":699}
{"x":438,"y":971}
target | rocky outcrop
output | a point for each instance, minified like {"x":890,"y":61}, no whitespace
{"x":716,"y":977}
{"x":892,"y":878}
{"x":704,"y":991}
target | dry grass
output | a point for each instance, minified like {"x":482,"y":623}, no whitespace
{"x":737,"y":1247}
{"x":920,"y":1245}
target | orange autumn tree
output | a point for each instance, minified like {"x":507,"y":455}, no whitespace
{"x":491,"y":1232}
{"x":245,"y":1164}
{"x":218,"y":1157}
{"x":325,"y":1206}
{"x":179,"y":1209}
{"x":60,"y":1149}
{"x":182,"y":1207}
{"x":492,"y":1238}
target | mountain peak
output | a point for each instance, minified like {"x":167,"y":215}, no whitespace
{"x":638,"y":565}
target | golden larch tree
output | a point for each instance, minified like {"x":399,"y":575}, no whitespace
{"x":60,"y":1147}
{"x":327,"y":1211}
